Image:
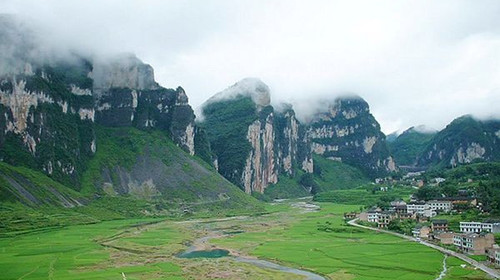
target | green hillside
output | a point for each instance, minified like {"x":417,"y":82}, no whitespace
{"x":328,"y":175}
{"x":409,"y":145}
{"x":464,"y":140}
{"x":133,"y":174}
{"x":334,"y":175}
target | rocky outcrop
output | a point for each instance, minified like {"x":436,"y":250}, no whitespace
{"x":463,"y":141}
{"x":124,"y":71}
{"x":127,"y":95}
{"x":346,"y":131}
{"x":44,"y":124}
{"x":260,"y":167}
{"x":253,"y":143}
{"x":294,"y":151}
{"x":48,"y":114}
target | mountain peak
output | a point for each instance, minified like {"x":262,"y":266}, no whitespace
{"x":251,"y":87}
{"x":421,"y":129}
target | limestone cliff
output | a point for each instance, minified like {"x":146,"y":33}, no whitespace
{"x":253,"y":143}
{"x":346,"y":131}
{"x":464,"y":140}
{"x":127,"y":95}
{"x":47,"y":119}
{"x":48,"y":111}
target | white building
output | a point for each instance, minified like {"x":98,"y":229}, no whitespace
{"x":477,"y":227}
{"x":416,"y":208}
{"x":373,"y":217}
{"x":440,"y":205}
{"x":421,"y":209}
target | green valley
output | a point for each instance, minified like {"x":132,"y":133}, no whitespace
{"x":289,"y":234}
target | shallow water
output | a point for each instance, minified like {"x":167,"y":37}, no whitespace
{"x":270,"y":265}
{"x":210,"y":254}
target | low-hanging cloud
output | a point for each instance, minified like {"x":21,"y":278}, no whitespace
{"x":415,"y":62}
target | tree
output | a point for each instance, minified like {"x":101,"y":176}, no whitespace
{"x":428,"y":192}
{"x":307,"y":181}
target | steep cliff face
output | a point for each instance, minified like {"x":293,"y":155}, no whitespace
{"x":49,"y":108}
{"x":252,"y":142}
{"x":294,"y":150}
{"x":347,"y":132}
{"x":47,"y":119}
{"x":127,"y":95}
{"x":464,"y":140}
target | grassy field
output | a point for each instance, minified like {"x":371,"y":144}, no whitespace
{"x":346,"y":252}
{"x":365,"y":195}
{"x":288,"y":234}
{"x":75,"y":253}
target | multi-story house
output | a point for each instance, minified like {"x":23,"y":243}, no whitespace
{"x":417,"y":207}
{"x":473,"y":243}
{"x":373,"y":216}
{"x":384,"y":218}
{"x":494,"y":254}
{"x":440,"y":205}
{"x":477,"y":227}
{"x":421,"y":232}
{"x":400,"y":209}
{"x":439,"y":225}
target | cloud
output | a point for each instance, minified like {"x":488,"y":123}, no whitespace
{"x":415,"y":62}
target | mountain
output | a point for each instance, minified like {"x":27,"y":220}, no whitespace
{"x":464,"y":140}
{"x":392,"y":137}
{"x":100,"y":127}
{"x":346,"y":131}
{"x":406,"y":147}
{"x":253,"y":143}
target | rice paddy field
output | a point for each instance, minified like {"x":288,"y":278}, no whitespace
{"x":290,"y":234}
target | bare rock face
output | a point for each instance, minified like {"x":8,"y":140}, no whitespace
{"x":125,"y":71}
{"x":346,"y":131}
{"x":47,"y":119}
{"x":48,"y":112}
{"x":253,"y":143}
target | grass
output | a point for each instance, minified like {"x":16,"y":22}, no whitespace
{"x":346,"y":252}
{"x":72,"y":253}
{"x":455,"y":271}
{"x":337,"y":175}
{"x":365,"y":195}
{"x":146,"y":249}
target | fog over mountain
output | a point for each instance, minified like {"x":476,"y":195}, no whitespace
{"x":415,"y":62}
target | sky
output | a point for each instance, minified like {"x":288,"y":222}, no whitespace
{"x":414,"y":62}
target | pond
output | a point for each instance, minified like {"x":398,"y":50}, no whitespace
{"x":211,"y":254}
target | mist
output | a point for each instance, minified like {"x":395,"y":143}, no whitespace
{"x":414,"y":62}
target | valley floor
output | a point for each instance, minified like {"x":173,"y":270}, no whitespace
{"x":293,"y":234}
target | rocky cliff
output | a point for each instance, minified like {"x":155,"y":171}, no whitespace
{"x":346,"y":131}
{"x":463,"y":141}
{"x":103,"y":127}
{"x":253,"y":143}
{"x":126,"y":94}
{"x":47,"y":119}
{"x":48,"y":112}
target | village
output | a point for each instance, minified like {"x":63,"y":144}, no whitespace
{"x":441,"y":221}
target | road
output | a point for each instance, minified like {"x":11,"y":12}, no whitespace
{"x":493,"y":273}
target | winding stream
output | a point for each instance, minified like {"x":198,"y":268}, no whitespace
{"x":195,"y":250}
{"x":274,"y":266}
{"x":445,"y":269}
